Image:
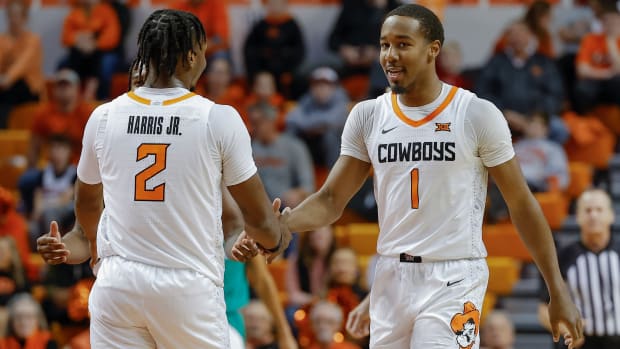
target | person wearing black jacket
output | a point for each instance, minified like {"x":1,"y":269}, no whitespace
{"x":275,"y":44}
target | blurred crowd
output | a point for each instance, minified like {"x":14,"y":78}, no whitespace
{"x":558,"y":89}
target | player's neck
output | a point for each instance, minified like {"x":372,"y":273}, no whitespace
{"x":422,"y":92}
{"x":165,"y":82}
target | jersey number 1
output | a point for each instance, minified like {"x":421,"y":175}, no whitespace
{"x":141,"y":193}
{"x":415,"y":180}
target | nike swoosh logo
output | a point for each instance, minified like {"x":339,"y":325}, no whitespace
{"x":384,"y":131}
{"x":452,"y":283}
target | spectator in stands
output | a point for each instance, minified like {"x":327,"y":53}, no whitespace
{"x":307,"y":272}
{"x":21,"y":61}
{"x":213,"y":14}
{"x":13,"y":225}
{"x":66,"y":113}
{"x":497,"y":331}
{"x":27,"y":326}
{"x":573,"y":27}
{"x":450,"y":67}
{"x":53,"y":199}
{"x":264,"y":91}
{"x":92,"y":33}
{"x":327,"y":321}
{"x":343,"y":289}
{"x":320,"y":115}
{"x":355,"y":35}
{"x":123,"y":13}
{"x":275,"y":44}
{"x":598,"y":65}
{"x":538,"y":20}
{"x":240,"y":277}
{"x":259,"y":326}
{"x":520,"y":81}
{"x":59,"y":282}
{"x":218,"y":84}
{"x":12,"y":275}
{"x":343,"y":284}
{"x":543,"y":163}
{"x":590,"y":269}
{"x":284,"y":163}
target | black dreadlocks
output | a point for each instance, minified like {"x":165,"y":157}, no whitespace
{"x":166,"y":36}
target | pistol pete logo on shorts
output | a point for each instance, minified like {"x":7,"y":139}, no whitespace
{"x":465,"y":325}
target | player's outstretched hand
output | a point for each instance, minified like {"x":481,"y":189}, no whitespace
{"x":358,"y":321}
{"x":244,"y":249}
{"x":51,"y":247}
{"x":286,"y":235}
{"x":566,"y":320}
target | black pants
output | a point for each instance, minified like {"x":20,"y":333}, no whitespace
{"x":17,"y":94}
{"x":590,"y":93}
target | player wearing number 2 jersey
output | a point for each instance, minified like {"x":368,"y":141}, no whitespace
{"x":159,"y":157}
{"x":431,"y":146}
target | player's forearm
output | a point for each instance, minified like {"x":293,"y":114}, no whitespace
{"x":535,"y":232}
{"x":76,"y":242}
{"x":588,"y":72}
{"x":88,"y":214}
{"x":262,"y":282}
{"x":316,"y":211}
{"x":266,"y":233}
{"x":543,"y":316}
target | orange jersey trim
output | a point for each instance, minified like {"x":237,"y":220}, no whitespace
{"x":147,"y":101}
{"x":429,"y":117}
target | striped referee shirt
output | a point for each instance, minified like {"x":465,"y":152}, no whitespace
{"x":594,"y":283}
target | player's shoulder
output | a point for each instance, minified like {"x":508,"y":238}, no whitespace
{"x":103,"y":109}
{"x":479,"y":108}
{"x":365,"y":109}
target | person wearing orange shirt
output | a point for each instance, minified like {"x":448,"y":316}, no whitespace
{"x":92,"y":33}
{"x":14,"y":225}
{"x":219,"y":87}
{"x":27,"y":325}
{"x":538,"y":19}
{"x":21,"y":61}
{"x":327,"y":319}
{"x":213,"y":15}
{"x":598,"y":65}
{"x":66,"y":113}
{"x":264,"y":91}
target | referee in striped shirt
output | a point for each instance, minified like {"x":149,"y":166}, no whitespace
{"x":591,"y":269}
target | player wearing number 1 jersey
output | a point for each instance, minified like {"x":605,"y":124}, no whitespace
{"x":159,"y":157}
{"x":431,"y":147}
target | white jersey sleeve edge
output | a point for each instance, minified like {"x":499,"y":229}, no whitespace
{"x":493,"y":137}
{"x":356,"y":130}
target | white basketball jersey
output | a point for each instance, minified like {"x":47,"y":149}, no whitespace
{"x":429,"y":180}
{"x":162,"y":156}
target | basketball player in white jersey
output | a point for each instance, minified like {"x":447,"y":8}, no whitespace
{"x":431,"y":147}
{"x":158,"y":157}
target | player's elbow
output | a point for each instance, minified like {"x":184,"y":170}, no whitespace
{"x":333,"y":207}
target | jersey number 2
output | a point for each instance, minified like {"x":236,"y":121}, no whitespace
{"x":141,"y":193}
{"x":415,"y":180}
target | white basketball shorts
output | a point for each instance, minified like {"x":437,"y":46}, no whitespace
{"x":134,"y":305}
{"x":427,"y":305}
